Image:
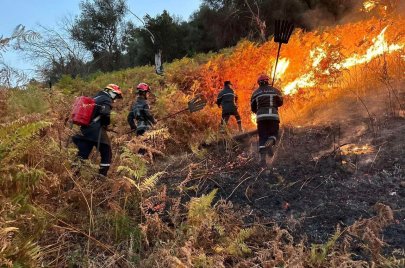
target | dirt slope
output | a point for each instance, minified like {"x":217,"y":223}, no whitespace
{"x":321,"y":176}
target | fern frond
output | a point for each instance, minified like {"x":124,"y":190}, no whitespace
{"x":149,"y":183}
{"x":200,"y":208}
{"x":238,"y":247}
{"x":157,"y":133}
{"x":320,"y":252}
{"x":135,"y":174}
{"x":132,"y":182}
{"x":16,"y":136}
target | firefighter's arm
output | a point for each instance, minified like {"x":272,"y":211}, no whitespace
{"x":219,"y":99}
{"x":130,"y":120}
{"x":253,"y":105}
{"x":148,"y":115}
{"x":105,"y":112}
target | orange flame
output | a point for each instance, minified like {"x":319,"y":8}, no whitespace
{"x":369,"y":5}
{"x":321,"y":59}
{"x":378,"y":48}
{"x":281,"y":68}
{"x":253,"y":118}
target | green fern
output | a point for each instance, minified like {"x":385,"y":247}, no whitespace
{"x":27,"y":178}
{"x":19,"y":251}
{"x":149,"y":183}
{"x":237,"y":247}
{"x":145,"y":185}
{"x":320,"y":252}
{"x":15,"y":137}
{"x":132,"y":164}
{"x":200,"y":210}
{"x":134,"y":174}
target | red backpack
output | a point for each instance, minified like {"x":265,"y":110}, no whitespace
{"x":82,"y":111}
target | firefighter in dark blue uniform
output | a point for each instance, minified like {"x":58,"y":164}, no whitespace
{"x":264,"y":103}
{"x":95,"y":135}
{"x":227,"y":99}
{"x":140,"y":111}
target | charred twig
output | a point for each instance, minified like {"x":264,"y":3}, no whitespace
{"x":237,"y":186}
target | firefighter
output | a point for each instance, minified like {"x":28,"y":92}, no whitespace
{"x":227,"y":99}
{"x":140,"y":111}
{"x":95,"y":134}
{"x":264,"y":103}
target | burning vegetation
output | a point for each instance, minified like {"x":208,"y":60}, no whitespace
{"x":196,"y":198}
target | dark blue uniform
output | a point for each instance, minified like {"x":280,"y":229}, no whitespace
{"x":227,"y":99}
{"x":140,"y":112}
{"x":264,"y":103}
{"x":95,"y":135}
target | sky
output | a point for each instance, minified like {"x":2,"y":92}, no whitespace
{"x":49,"y":13}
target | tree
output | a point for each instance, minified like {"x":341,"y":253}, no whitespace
{"x":10,"y":76}
{"x":100,"y":29}
{"x":168,"y":36}
{"x":56,"y":53}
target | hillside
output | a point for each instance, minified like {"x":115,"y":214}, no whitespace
{"x":332,"y":196}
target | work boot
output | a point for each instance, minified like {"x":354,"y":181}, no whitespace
{"x":240,"y":128}
{"x":103,"y":171}
{"x":100,"y":177}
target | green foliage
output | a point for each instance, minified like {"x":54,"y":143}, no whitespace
{"x":125,"y":227}
{"x":200,"y":211}
{"x":132,"y":164}
{"x":149,"y":183}
{"x":18,"y":251}
{"x":202,"y":261}
{"x":25,"y":102}
{"x":237,"y":246}
{"x":27,"y":178}
{"x":16,"y":136}
{"x":134,"y":170}
{"x":320,"y":252}
{"x":99,"y":29}
{"x":70,"y":86}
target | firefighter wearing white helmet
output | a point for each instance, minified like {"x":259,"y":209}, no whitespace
{"x":95,"y":134}
{"x":140,"y":111}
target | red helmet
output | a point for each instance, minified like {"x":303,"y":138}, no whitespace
{"x":263,"y":78}
{"x":143,"y":87}
{"x":115,"y":89}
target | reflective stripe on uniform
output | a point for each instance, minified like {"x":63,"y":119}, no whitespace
{"x":104,"y":165}
{"x":265,"y":95}
{"x":271,"y":116}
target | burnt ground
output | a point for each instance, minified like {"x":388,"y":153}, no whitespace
{"x":321,"y":176}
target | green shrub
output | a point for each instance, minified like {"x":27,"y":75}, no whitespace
{"x":23,"y":102}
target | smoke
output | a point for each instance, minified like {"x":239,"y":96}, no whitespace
{"x":308,"y":14}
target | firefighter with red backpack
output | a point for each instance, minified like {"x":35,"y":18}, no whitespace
{"x":96,"y":112}
{"x":265,"y":102}
{"x":140,"y":111}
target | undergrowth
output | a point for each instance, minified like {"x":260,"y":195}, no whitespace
{"x":51,"y":217}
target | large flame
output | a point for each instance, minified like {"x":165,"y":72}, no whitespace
{"x":378,"y":48}
{"x":312,"y":61}
{"x":369,"y":5}
{"x":281,"y":67}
